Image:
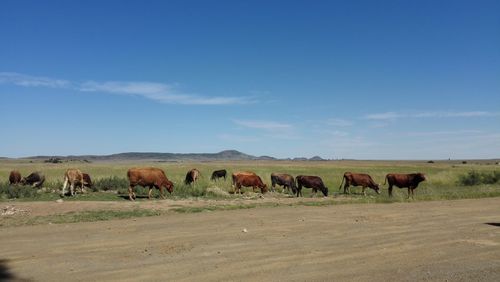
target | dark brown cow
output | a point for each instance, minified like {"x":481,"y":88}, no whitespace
{"x":314,"y":182}
{"x":285,"y":180}
{"x":35,"y":179}
{"x":192,"y":176}
{"x":148,"y":177}
{"x":358,"y":179}
{"x":409,"y":181}
{"x":248,"y":179}
{"x":218,"y":174}
{"x":14,"y":177}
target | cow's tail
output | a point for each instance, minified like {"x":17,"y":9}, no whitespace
{"x":342,"y":182}
{"x":385,"y":179}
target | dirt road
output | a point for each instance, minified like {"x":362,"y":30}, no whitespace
{"x":450,"y":240}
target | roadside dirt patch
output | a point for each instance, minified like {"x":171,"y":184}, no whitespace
{"x":431,"y":241}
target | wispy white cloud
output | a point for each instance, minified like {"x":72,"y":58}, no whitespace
{"x":159,"y":92}
{"x":444,"y":133}
{"x":32,"y":81}
{"x":439,"y":114}
{"x":339,"y":122}
{"x":266,"y":125}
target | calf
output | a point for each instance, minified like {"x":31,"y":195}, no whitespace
{"x":409,"y":181}
{"x":218,"y":174}
{"x":358,"y":179}
{"x":192,"y":176}
{"x":314,"y":182}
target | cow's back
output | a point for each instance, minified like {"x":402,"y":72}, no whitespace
{"x":73,"y":175}
{"x":145,"y":176}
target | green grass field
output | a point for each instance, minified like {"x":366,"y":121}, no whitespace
{"x":442,"y":177}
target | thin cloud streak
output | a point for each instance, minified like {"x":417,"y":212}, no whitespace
{"x":32,"y":81}
{"x":266,"y":125}
{"x":159,"y":92}
{"x":394,"y":115}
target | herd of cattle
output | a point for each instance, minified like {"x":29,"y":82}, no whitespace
{"x":155,"y":178}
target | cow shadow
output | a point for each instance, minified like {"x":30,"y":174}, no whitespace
{"x":6,"y":274}
{"x":125,"y":196}
{"x":497,"y":224}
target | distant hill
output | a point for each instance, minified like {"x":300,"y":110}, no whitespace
{"x":153,"y":156}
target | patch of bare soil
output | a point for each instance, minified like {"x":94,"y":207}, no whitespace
{"x":432,"y":241}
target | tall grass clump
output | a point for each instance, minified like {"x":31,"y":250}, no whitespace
{"x":476,"y":178}
{"x":17,"y":191}
{"x":110,"y":183}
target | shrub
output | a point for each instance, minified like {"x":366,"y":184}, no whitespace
{"x":109,"y":183}
{"x":17,"y":191}
{"x":476,"y":178}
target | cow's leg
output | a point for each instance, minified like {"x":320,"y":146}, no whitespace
{"x":131,"y":194}
{"x":150,"y":191}
{"x":390,"y":190}
{"x":72,"y":189}
{"x":363,"y":190}
{"x":64,"y":186}
{"x":161,"y":192}
{"x":409,"y":191}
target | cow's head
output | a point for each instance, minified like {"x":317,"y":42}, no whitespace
{"x":420,"y":177}
{"x":325,"y":191}
{"x":169,"y":185}
{"x":263,"y":189}
{"x":23,"y":181}
{"x":376,"y":188}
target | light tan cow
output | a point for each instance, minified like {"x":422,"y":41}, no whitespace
{"x":72,"y":177}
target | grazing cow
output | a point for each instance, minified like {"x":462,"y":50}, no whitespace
{"x":192,"y":176}
{"x":72,"y":177}
{"x":314,"y":182}
{"x":148,"y":177}
{"x":87,"y":181}
{"x":409,"y":181}
{"x":285,"y":180}
{"x":35,"y":179}
{"x":358,"y":179}
{"x":218,"y":174}
{"x":14,"y":177}
{"x":248,"y":179}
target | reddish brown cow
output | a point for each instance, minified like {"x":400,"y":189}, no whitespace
{"x":14,"y":177}
{"x":248,"y":179}
{"x":148,"y":177}
{"x":409,"y":181}
{"x":309,"y":181}
{"x":358,"y":179}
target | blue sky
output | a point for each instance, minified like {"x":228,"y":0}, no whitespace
{"x":338,"y":79}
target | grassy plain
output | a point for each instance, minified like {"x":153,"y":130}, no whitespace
{"x":442,"y":176}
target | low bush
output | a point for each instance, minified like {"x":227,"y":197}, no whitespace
{"x":110,"y":183}
{"x":475,"y":178}
{"x":17,"y":191}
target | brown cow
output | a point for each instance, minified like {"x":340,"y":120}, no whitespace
{"x":308,"y":181}
{"x":14,"y":177}
{"x":358,"y":179}
{"x":148,"y":177}
{"x":409,"y":181}
{"x":248,"y":179}
{"x":192,"y":176}
{"x":285,"y":180}
{"x":87,"y":181}
{"x":72,"y":177}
